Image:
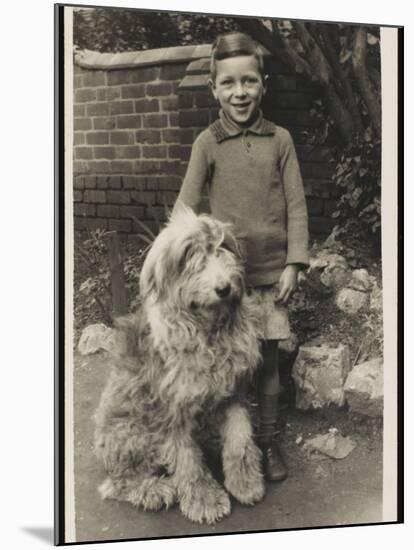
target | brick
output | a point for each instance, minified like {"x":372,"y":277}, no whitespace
{"x":102,"y":182}
{"x":82,"y":124}
{"x":122,"y":167}
{"x":82,"y":209}
{"x":146,"y":167}
{"x":159,"y":89}
{"x":154,"y":151}
{"x":174,"y":151}
{"x":143,"y":197}
{"x":214,"y":114}
{"x":90,"y":182}
{"x":329,"y":207}
{"x":121,"y":107}
{"x":155,"y":121}
{"x":321,"y":189}
{"x":148,"y":136}
{"x":186,"y":136}
{"x":171,"y":136}
{"x":182,"y":169}
{"x":119,"y":76}
{"x":145,"y":74}
{"x":77,"y":196}
{"x":97,"y":109}
{"x":320,"y":225}
{"x":283,"y":82}
{"x":315,"y":207}
{"x":114,"y":182}
{"x":124,"y":226}
{"x":84,"y":95}
{"x":79,"y":110}
{"x":134,"y":182}
{"x":183,"y":152}
{"x":129,"y":211}
{"x":129,"y":121}
{"x":78,"y":138}
{"x":104,"y":152}
{"x":164,"y":183}
{"x":170,"y":167}
{"x":204,"y":99}
{"x":172,"y":72}
{"x":94,"y":196}
{"x":108,"y":94}
{"x":122,"y":138}
{"x":193,"y":118}
{"x":128,"y":152}
{"x":118,"y":197}
{"x":155,"y":212}
{"x":166,"y":198}
{"x":104,"y":123}
{"x":94,"y":79}
{"x":147,"y":106}
{"x":83,"y":153}
{"x":97,"y":138}
{"x":185,"y":100}
{"x":96,"y":223}
{"x":80,"y":167}
{"x":98,"y":166}
{"x":107,"y":211}
{"x":78,"y":182}
{"x":133,"y":91}
{"x":169,"y":103}
{"x":173,"y":120}
{"x":77,"y":81}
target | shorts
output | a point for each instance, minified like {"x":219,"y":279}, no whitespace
{"x":275,"y":319}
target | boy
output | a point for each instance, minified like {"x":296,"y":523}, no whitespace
{"x":250,"y":168}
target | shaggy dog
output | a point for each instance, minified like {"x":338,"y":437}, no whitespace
{"x":177,"y":368}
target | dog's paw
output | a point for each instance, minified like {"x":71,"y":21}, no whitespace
{"x":152,"y":494}
{"x":205,"y":502}
{"x":244,"y":477}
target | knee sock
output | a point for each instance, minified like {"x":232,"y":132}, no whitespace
{"x":268,"y":390}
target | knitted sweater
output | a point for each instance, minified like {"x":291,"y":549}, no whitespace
{"x":253,"y":180}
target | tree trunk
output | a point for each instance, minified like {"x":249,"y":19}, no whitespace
{"x":363,"y":81}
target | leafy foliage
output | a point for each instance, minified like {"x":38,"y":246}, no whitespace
{"x":118,"y":30}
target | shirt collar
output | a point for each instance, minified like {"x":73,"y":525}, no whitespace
{"x":225,"y":128}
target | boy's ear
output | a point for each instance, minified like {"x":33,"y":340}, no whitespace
{"x":212,"y":87}
{"x":265,"y":79}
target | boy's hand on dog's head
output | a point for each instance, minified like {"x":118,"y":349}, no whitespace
{"x":287,"y":283}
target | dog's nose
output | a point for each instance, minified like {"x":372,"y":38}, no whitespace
{"x":223,"y":290}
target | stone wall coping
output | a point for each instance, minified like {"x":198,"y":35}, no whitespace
{"x":89,"y":59}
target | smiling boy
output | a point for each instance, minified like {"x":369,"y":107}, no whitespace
{"x":250,"y":169}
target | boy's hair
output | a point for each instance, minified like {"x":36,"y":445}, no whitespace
{"x":232,"y":45}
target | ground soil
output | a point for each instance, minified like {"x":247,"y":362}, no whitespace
{"x":318,"y":492}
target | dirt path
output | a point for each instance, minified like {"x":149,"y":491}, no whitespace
{"x":317,"y":492}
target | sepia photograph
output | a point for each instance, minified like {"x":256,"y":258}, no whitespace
{"x":221,"y":187}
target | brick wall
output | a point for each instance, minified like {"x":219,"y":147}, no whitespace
{"x":136,"y":116}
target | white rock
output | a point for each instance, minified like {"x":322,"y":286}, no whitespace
{"x":336,"y":274}
{"x":351,"y":301}
{"x":364,"y":388}
{"x":95,"y":338}
{"x":375,"y":302}
{"x":319,"y":374}
{"x":333,"y":445}
{"x":360,"y":280}
{"x":289,"y":346}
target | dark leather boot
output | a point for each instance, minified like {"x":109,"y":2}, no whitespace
{"x":273,"y":464}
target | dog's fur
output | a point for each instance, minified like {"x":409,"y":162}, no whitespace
{"x":178,"y":365}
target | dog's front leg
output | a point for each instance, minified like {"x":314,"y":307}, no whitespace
{"x":243,"y":476}
{"x":200,"y":497}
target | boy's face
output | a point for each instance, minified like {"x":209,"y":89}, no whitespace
{"x":239,"y":88}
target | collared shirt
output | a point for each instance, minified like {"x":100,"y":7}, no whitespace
{"x":253,"y":180}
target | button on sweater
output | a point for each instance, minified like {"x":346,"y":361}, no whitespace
{"x":253,"y":180}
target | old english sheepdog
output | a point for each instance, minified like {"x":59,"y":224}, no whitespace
{"x":177,"y":368}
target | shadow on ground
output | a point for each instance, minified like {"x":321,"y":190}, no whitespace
{"x":317,"y":492}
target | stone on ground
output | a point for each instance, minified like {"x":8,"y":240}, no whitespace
{"x":319,"y":374}
{"x":332,"y":444}
{"x":351,"y":301}
{"x":95,"y":338}
{"x":360,"y":280}
{"x":364,"y":388}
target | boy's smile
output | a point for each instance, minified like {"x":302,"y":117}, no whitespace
{"x":239,"y":88}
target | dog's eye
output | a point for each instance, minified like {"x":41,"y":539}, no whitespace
{"x":185,"y":255}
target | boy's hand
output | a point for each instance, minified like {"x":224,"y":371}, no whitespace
{"x":287,"y":283}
